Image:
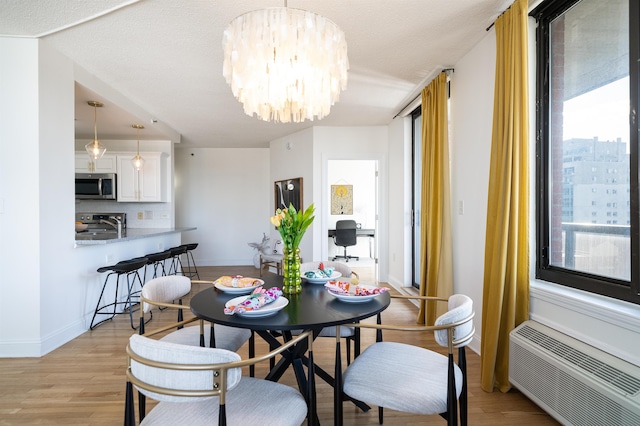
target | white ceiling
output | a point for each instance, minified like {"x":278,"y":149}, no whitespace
{"x":165,"y":57}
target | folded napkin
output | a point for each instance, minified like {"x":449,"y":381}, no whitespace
{"x":321,"y":272}
{"x":256,"y":300}
{"x":237,"y":281}
{"x":344,"y":287}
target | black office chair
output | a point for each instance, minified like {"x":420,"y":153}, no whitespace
{"x":345,"y":237}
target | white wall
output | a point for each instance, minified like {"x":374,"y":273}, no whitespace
{"x":19,"y":199}
{"x":399,"y":203}
{"x":293,"y":157}
{"x":225,"y":193}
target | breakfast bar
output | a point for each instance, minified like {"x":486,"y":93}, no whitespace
{"x":129,"y":234}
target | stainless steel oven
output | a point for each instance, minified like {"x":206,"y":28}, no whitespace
{"x":96,"y":186}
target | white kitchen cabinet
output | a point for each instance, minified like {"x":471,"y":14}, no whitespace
{"x":146,"y":185}
{"x":106,"y":164}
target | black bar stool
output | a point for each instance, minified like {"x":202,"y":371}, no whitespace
{"x":157,"y":260}
{"x":128,"y":269}
{"x":192,"y":270}
{"x":176,"y":263}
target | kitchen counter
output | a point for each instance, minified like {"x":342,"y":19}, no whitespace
{"x":129,"y":234}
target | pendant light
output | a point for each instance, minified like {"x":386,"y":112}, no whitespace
{"x":95,"y":149}
{"x":137,"y":161}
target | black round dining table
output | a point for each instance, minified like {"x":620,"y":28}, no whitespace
{"x":312,"y":309}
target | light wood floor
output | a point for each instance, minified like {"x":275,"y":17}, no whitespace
{"x":82,"y":382}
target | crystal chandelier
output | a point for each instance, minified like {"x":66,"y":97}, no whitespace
{"x":137,"y":162}
{"x":285,"y":65}
{"x":95,"y":149}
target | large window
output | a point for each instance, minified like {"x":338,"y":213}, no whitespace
{"x":587,"y":168}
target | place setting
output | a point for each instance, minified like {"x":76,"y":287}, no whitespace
{"x":352,"y":292}
{"x":259,"y":304}
{"x":321,"y":275}
{"x":237,"y":284}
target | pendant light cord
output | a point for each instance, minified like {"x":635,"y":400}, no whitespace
{"x":95,"y":123}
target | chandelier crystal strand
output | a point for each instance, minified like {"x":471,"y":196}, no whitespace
{"x":285,"y":65}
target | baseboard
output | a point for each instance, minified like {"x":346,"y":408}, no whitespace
{"x":34,"y":348}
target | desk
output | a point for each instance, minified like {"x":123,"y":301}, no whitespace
{"x":313,"y":309}
{"x":371,"y":233}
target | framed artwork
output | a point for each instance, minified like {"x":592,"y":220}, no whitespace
{"x":341,"y":199}
{"x":288,"y":191}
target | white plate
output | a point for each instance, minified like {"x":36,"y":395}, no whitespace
{"x":352,"y":298}
{"x":322,"y":280}
{"x":238,"y":290}
{"x":268,"y":310}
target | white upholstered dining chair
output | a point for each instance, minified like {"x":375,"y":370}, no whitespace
{"x":413,"y":379}
{"x":204,"y":386}
{"x":162,"y":292}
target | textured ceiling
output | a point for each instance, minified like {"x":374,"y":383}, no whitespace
{"x":165,"y":57}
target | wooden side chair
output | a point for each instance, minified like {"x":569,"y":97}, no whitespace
{"x":413,"y":379}
{"x":205,"y":386}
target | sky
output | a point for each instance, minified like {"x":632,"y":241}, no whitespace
{"x":603,"y":112}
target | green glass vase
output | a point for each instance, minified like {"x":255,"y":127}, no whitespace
{"x":292,"y":283}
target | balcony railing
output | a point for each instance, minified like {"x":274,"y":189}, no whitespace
{"x":597,"y":249}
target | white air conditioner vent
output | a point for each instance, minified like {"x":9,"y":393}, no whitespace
{"x":576,"y":383}
{"x":621,"y":380}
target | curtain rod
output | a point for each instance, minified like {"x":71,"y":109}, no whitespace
{"x":414,"y":99}
{"x":494,"y":21}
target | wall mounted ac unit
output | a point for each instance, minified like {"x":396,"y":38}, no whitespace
{"x":575,"y":383}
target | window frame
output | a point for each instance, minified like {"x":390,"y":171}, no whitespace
{"x":611,"y":287}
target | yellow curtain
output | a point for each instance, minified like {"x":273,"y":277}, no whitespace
{"x":505,"y":299}
{"x":436,"y":269}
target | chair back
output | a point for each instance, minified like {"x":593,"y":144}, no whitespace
{"x":460,"y":308}
{"x":165,"y":290}
{"x":345,"y":233}
{"x":168,"y":371}
{"x":344,"y":269}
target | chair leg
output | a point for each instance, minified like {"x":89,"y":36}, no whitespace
{"x":252,"y":353}
{"x":190,"y":261}
{"x":452,"y":400}
{"x":222,"y":415}
{"x":380,"y":414}
{"x":337,"y":388}
{"x":462,"y":363}
{"x":311,"y":390}
{"x":212,"y":337}
{"x":131,"y":282}
{"x":97,"y":310}
{"x":142,"y":406}
{"x":129,"y":410}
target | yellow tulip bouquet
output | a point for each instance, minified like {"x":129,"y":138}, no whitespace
{"x":292,"y":224}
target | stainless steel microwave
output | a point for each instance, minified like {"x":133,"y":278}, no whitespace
{"x":95,"y":186}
